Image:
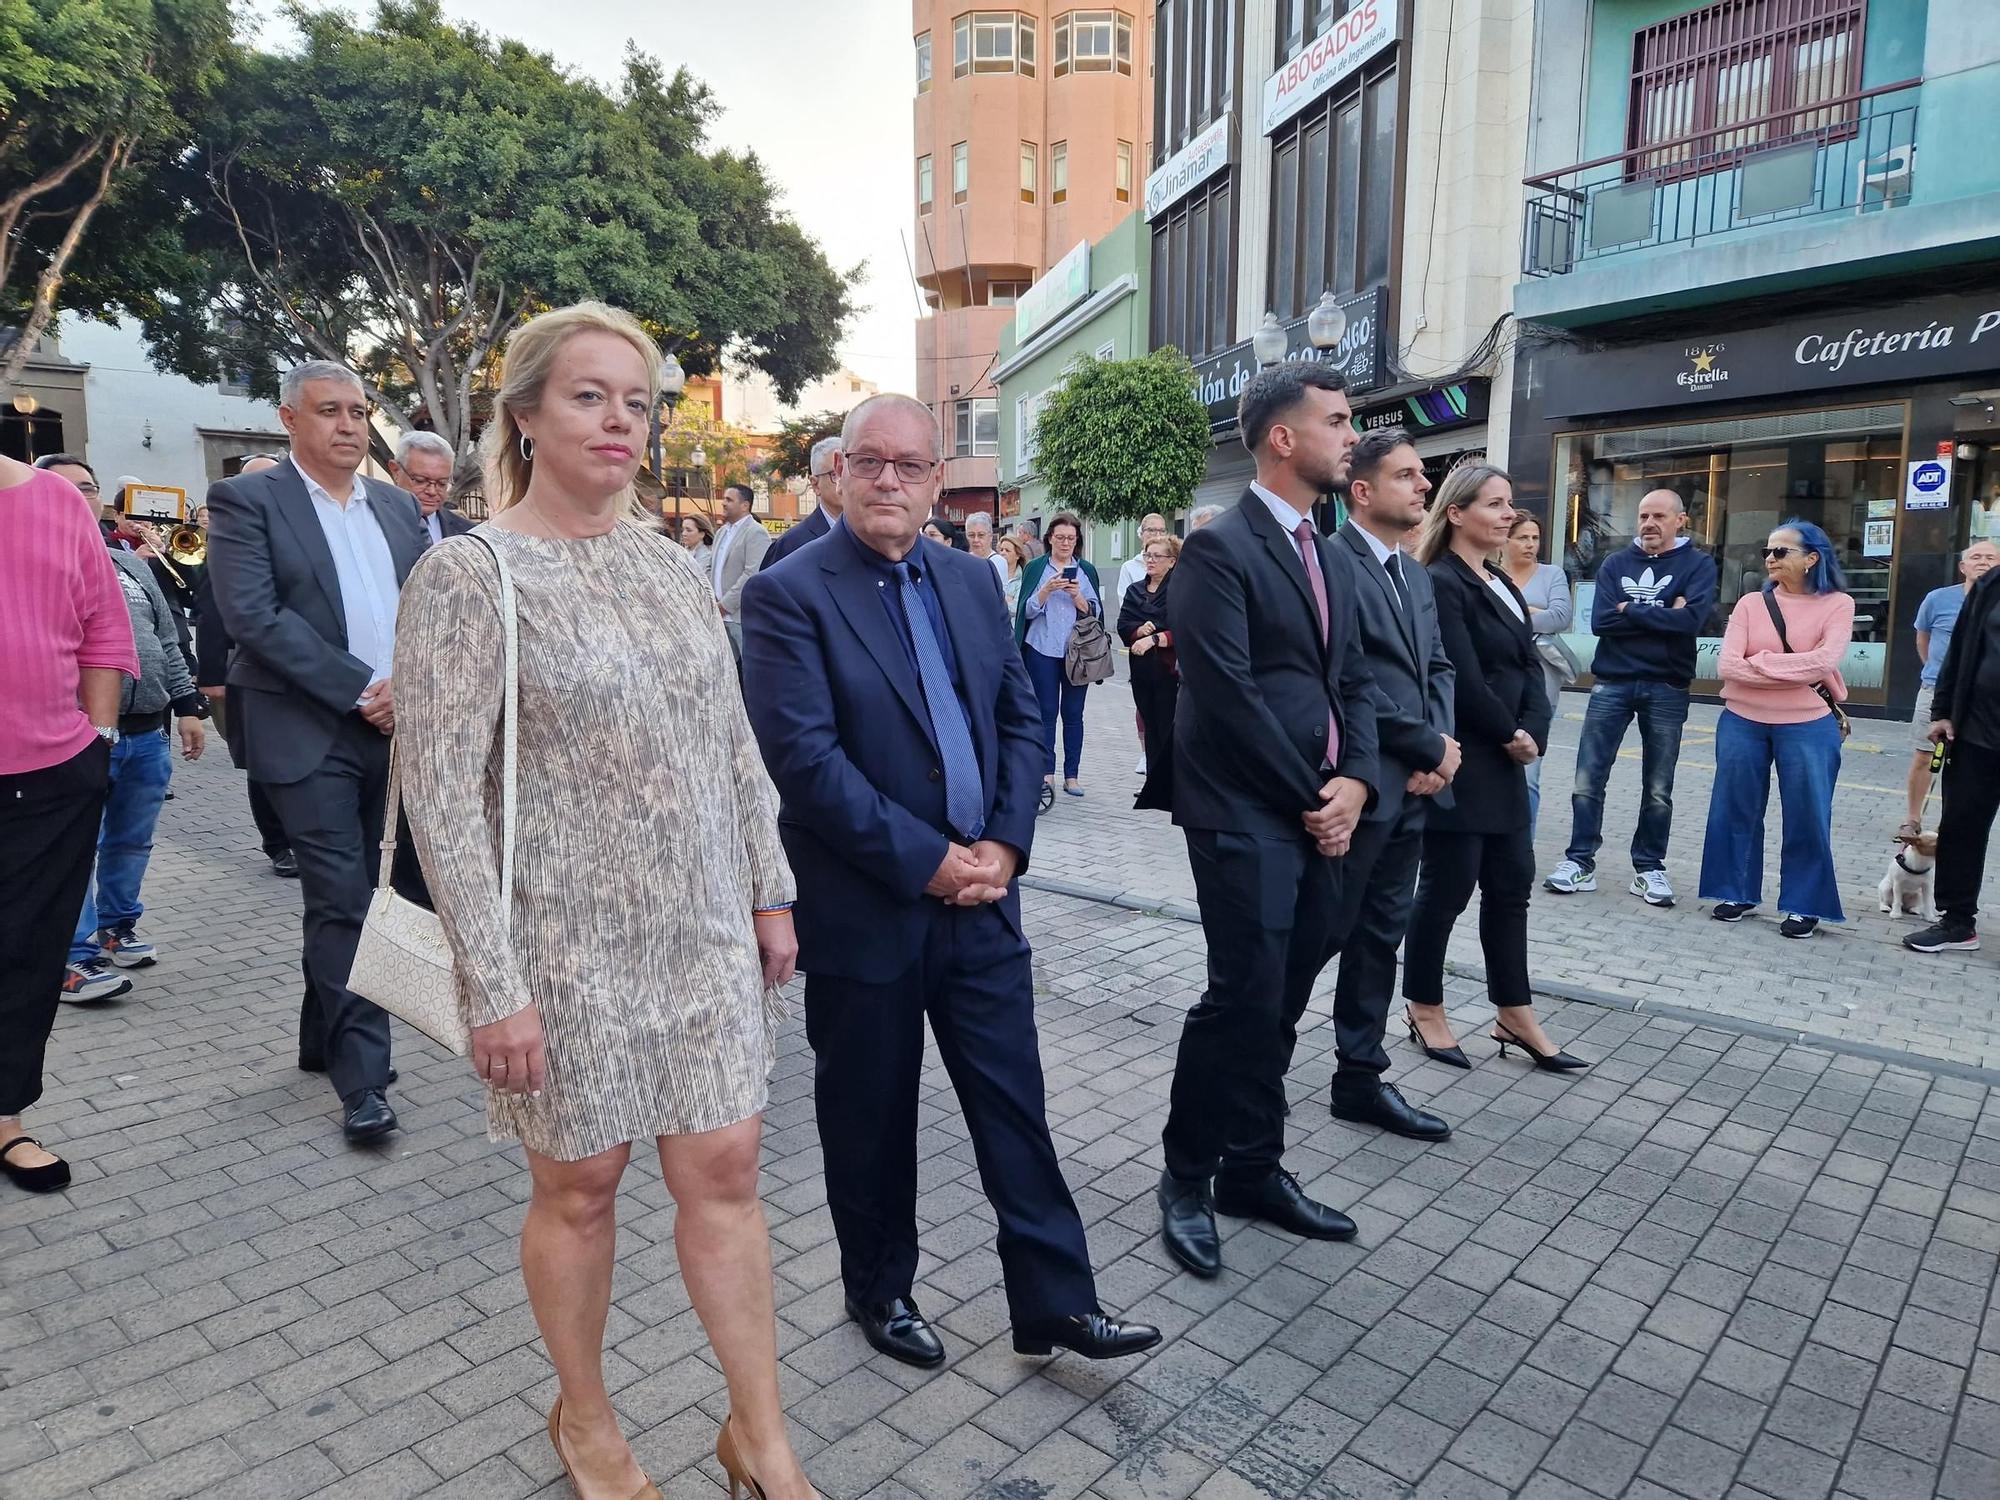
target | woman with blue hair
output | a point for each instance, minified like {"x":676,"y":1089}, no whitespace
{"x":1782,"y":688}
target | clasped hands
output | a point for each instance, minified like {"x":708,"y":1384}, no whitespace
{"x":1332,"y":824}
{"x":975,"y":875}
{"x":1430,"y":783}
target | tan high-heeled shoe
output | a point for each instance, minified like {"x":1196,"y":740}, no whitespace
{"x":647,"y":1491}
{"x":732,"y":1465}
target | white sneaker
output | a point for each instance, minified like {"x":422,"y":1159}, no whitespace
{"x":1652,"y":887}
{"x":1570,"y":878}
{"x":1140,"y":769}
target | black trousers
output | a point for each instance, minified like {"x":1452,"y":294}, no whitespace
{"x":1502,"y":866}
{"x":270,"y":832}
{"x":1971,"y":798}
{"x":975,"y":982}
{"x":48,"y":842}
{"x":1378,"y":886}
{"x":1268,"y":908}
{"x":332,"y":819}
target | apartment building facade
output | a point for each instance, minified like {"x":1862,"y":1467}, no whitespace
{"x":1032,"y":134}
{"x":1761,"y":267}
{"x":1361,"y":152}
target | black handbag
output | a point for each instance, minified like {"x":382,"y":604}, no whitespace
{"x":1825,"y":693}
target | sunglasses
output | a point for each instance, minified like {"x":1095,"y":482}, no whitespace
{"x":1776,"y":554}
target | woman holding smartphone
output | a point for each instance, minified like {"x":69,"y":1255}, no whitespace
{"x":1056,"y":592}
{"x":1156,"y":677}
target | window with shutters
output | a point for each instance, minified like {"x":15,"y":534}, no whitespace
{"x":1717,"y":83}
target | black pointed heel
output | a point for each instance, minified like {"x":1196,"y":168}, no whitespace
{"x":1549,"y":1062}
{"x":1450,"y":1056}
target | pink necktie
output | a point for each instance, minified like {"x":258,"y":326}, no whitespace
{"x":1309,"y":555}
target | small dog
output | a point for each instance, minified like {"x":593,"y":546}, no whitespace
{"x":1906,"y":889}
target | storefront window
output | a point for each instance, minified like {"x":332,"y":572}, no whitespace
{"x":1841,"y":469}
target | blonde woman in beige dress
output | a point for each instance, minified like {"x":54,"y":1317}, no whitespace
{"x":651,"y":904}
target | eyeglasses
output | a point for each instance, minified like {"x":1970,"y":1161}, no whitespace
{"x":428,"y":485}
{"x":909,"y":470}
{"x":89,"y":487}
{"x":1775,"y":554}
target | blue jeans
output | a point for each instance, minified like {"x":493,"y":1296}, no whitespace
{"x":1732,"y":857}
{"x":1058,"y":697}
{"x":1534,"y":798}
{"x":1662,"y":710}
{"x":141,"y":767}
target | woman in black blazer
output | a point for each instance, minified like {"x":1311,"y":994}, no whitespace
{"x":1503,"y":711}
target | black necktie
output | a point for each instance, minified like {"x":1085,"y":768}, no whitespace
{"x":1394,"y":563}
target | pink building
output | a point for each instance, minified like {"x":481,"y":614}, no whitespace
{"x":1033,"y":132}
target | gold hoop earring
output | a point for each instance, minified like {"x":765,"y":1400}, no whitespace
{"x":527,"y":447}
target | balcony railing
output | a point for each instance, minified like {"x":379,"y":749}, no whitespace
{"x":1855,"y":155}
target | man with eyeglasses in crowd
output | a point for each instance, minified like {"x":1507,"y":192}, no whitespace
{"x":826,"y":489}
{"x":900,"y":728}
{"x":423,"y":465}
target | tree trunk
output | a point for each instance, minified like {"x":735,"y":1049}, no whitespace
{"x":43,"y":310}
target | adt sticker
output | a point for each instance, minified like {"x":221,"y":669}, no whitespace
{"x":1929,"y":485}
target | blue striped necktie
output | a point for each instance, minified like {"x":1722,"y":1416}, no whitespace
{"x":963,"y":795}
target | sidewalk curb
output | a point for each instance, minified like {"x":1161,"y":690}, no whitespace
{"x":1943,"y":1067}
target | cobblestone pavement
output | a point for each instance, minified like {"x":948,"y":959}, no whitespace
{"x":1715,"y":1265}
{"x":1853,"y":982}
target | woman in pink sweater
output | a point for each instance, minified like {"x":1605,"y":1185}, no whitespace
{"x":65,"y":650}
{"x":1780,"y":682}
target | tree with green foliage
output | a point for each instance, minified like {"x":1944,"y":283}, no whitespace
{"x":90,"y":90}
{"x":1123,"y":437}
{"x":791,"y":449}
{"x":398,"y":196}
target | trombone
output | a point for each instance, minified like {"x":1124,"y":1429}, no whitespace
{"x":185,"y":544}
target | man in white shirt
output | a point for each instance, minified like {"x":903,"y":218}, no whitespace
{"x":423,"y":465}
{"x":740,"y":545}
{"x":306,"y":561}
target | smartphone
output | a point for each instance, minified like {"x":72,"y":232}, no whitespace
{"x":1070,"y":572}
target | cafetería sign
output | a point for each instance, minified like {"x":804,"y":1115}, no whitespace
{"x":1920,"y":340}
{"x":1219,"y":380}
{"x":1188,"y":168}
{"x":1365,"y":30}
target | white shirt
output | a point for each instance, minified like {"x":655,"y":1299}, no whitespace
{"x":724,"y":537}
{"x":1506,"y":596}
{"x":1131,"y":573}
{"x":1383,"y":552}
{"x":1281,"y":510}
{"x":434,"y":524}
{"x":366,"y":571}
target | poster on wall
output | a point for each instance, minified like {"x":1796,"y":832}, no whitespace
{"x":1928,"y":486}
{"x":1878,"y":538}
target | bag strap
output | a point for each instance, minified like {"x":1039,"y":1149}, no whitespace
{"x":1777,"y":619}
{"x":509,"y":718}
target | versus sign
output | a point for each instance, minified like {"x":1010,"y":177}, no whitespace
{"x":1357,"y":36}
{"x":1434,"y":409}
{"x":1188,"y":168}
{"x":1908,"y":341}
{"x":1220,"y":379}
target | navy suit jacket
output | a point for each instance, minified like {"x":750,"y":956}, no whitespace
{"x":839,"y":713}
{"x":811,"y":529}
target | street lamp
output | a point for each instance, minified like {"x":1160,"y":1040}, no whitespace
{"x":1269,"y":343}
{"x":673,"y":381}
{"x":1327,"y":324}
{"x":26,"y":404}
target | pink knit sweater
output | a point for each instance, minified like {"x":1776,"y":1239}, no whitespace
{"x":1760,"y":681}
{"x":61,"y":609}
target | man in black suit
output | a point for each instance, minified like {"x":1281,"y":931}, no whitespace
{"x":423,"y":465}
{"x":307,"y":560}
{"x":904,"y":738}
{"x":1419,"y":757}
{"x":1275,"y":760}
{"x":826,"y":487}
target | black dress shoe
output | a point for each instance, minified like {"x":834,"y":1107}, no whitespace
{"x":285,"y":866}
{"x":1090,"y":1334}
{"x":1376,"y":1103}
{"x":318,"y":1065}
{"x":1187,"y":1225}
{"x":1279,"y":1200}
{"x":369,"y":1117}
{"x":897,"y":1329}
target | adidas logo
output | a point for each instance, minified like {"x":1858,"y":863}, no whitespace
{"x":1646,"y":589}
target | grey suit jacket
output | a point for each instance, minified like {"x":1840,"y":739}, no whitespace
{"x":745,"y":557}
{"x":291,"y":680}
{"x":1412,"y":673}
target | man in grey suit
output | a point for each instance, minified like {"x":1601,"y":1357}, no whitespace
{"x":307,"y":560}
{"x":423,"y":465}
{"x":826,"y":486}
{"x":740,"y":545}
{"x":1414,"y":682}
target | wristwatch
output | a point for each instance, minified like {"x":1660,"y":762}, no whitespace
{"x":107,"y":732}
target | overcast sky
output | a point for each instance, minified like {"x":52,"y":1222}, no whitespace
{"x":819,"y":89}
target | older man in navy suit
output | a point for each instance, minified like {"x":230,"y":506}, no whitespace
{"x":902,"y":732}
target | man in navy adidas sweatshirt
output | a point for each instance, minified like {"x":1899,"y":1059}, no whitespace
{"x":1652,"y":600}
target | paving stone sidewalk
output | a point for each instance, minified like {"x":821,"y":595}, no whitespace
{"x":1853,"y":982}
{"x":1713,"y":1266}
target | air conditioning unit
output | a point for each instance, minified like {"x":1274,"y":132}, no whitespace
{"x":1883,"y":180}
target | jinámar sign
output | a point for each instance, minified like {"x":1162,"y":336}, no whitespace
{"x":1365,"y":30}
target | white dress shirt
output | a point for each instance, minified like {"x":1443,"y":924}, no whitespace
{"x":434,"y":524}
{"x":1383,"y":552}
{"x":365,"y":570}
{"x":1281,"y":510}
